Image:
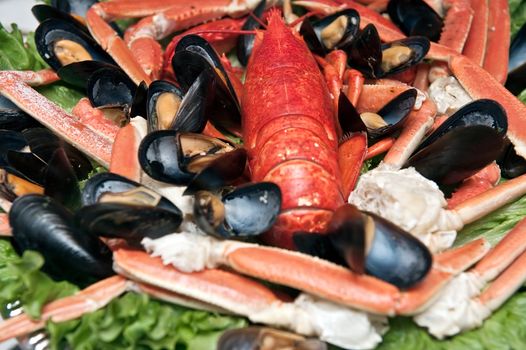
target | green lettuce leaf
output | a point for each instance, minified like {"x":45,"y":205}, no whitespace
{"x":15,"y":54}
{"x":522,"y":96}
{"x":134,"y":321}
{"x":61,"y":94}
{"x":22,"y":280}
{"x":517,"y":15}
{"x":505,"y":329}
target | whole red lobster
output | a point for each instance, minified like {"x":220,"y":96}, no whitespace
{"x":289,"y":131}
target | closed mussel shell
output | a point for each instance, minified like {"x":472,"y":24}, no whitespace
{"x":511,"y":164}
{"x":365,"y":52}
{"x":60,"y":43}
{"x":39,"y":223}
{"x":13,"y":118}
{"x":516,"y":81}
{"x":78,"y":73}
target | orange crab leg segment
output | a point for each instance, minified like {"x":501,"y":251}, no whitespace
{"x":482,"y":181}
{"x":124,"y":160}
{"x":88,"y":300}
{"x":351,"y":154}
{"x":95,"y":118}
{"x":475,"y":47}
{"x":456,"y":24}
{"x":497,"y":48}
{"x":53,"y":117}
{"x":41,"y":77}
{"x":5,"y":228}
{"x":380,"y":147}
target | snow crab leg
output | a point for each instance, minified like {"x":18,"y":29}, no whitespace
{"x":85,"y":137}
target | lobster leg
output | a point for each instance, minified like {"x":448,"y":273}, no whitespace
{"x":90,"y":299}
{"x":79,"y":135}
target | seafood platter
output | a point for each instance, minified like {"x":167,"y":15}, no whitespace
{"x":245,"y":174}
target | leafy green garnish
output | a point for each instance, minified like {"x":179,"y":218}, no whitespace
{"x":22,"y":280}
{"x":522,"y":96}
{"x":517,"y":15}
{"x":15,"y":54}
{"x":505,"y":329}
{"x":134,"y":321}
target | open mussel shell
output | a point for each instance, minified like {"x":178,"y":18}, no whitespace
{"x":394,"y":113}
{"x":13,"y":186}
{"x":365,"y":52}
{"x":39,"y":223}
{"x":78,"y":73}
{"x":400,"y":55}
{"x":516,"y":81}
{"x":60,"y":181}
{"x":44,"y":12}
{"x":458,"y":154}
{"x":511,"y":164}
{"x":13,"y":118}
{"x":248,"y":210}
{"x":128,"y":221}
{"x":331,"y":32}
{"x":10,"y":140}
{"x":43,"y":143}
{"x":113,"y":188}
{"x":415,"y":17}
{"x":163,"y":102}
{"x":110,"y":87}
{"x":60,"y":43}
{"x":245,"y":43}
{"x":262,"y":338}
{"x":139,"y":102}
{"x":174,"y":157}
{"x":480,"y":112}
{"x":371,"y":244}
{"x":348,"y":117}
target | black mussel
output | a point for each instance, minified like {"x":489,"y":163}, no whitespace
{"x":75,"y":7}
{"x":245,"y":43}
{"x":246,"y":211}
{"x":45,"y":12}
{"x":331,"y":32}
{"x":128,"y":220}
{"x":218,"y":172}
{"x":516,"y":81}
{"x":139,"y":102}
{"x":371,"y":244}
{"x":39,"y":223}
{"x":511,"y":164}
{"x":13,"y":118}
{"x":60,"y":180}
{"x":27,"y":165}
{"x":458,"y":154}
{"x":164,"y":100}
{"x":397,"y":56}
{"x":480,"y":112}
{"x":78,"y":73}
{"x":43,"y":143}
{"x":348,"y":117}
{"x":390,"y":117}
{"x":365,"y":52}
{"x":60,"y":43}
{"x":319,"y":245}
{"x":113,"y":188}
{"x":262,"y":338}
{"x":174,"y":157}
{"x":415,"y":17}
{"x":13,"y":186}
{"x":10,"y":141}
{"x":110,"y":87}
{"x":376,"y":60}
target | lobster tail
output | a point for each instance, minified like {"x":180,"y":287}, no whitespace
{"x":289,"y":132}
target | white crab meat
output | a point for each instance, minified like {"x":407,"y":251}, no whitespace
{"x":448,"y":95}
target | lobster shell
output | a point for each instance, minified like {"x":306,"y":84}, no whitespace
{"x":290,"y":133}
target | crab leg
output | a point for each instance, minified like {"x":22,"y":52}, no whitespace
{"x":53,"y":117}
{"x":480,"y":182}
{"x":380,"y":147}
{"x":41,"y":77}
{"x":312,"y":275}
{"x":124,"y":160}
{"x":497,"y":47}
{"x":481,"y":84}
{"x":475,"y":47}
{"x":5,"y":228}
{"x":95,"y":119}
{"x":90,"y":299}
{"x":456,"y":24}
